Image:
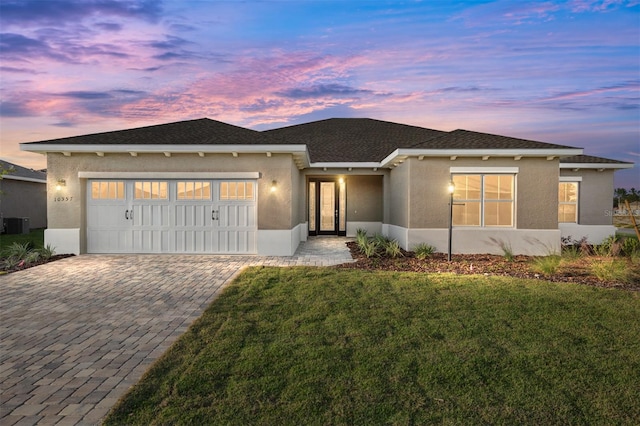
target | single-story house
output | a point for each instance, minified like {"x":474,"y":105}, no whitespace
{"x":203,"y":186}
{"x":23,"y":198}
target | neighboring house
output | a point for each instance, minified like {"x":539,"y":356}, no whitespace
{"x":203,"y":186}
{"x":23,"y":194}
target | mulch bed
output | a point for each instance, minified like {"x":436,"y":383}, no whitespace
{"x":479,"y":264}
{"x":31,"y":265}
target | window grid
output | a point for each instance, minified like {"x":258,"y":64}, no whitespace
{"x":150,"y":190}
{"x":483,"y":200}
{"x":193,"y":190}
{"x":107,"y":190}
{"x":235,"y":190}
{"x":568,"y":202}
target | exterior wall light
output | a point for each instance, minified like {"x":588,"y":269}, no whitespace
{"x":450,"y":189}
{"x":274,"y":185}
{"x":60,"y":184}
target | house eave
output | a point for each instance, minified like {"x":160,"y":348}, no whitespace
{"x":345,"y":165}
{"x":597,"y":166}
{"x":403,"y":153}
{"x":24,"y":179}
{"x":178,"y":149}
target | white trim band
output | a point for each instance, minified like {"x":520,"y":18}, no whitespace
{"x":512,"y":170}
{"x":570,"y":178}
{"x":169,"y":175}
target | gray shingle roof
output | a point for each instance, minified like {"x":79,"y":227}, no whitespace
{"x":332,"y":140}
{"x":589,"y":159}
{"x":23,"y":172}
{"x":466,"y":139}
{"x":352,"y":139}
{"x":203,"y":131}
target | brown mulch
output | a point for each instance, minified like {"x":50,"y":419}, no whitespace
{"x":31,"y":265}
{"x":480,"y":264}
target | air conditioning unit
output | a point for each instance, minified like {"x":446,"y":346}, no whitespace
{"x":16,"y":225}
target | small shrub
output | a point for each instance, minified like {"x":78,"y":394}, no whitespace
{"x":547,"y":265}
{"x":613,"y":270}
{"x":507,"y":250}
{"x":18,"y":251}
{"x":610,"y":247}
{"x":47,"y":252}
{"x":32,"y":257}
{"x":392,"y":249}
{"x":630,"y":245}
{"x":361,"y":238}
{"x":571,"y":252}
{"x":381,"y":240}
{"x":585,"y":248}
{"x":423,"y":250}
{"x":9,"y":263}
{"x":370,"y":248}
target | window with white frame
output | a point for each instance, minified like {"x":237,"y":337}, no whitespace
{"x":483,"y":200}
{"x":568,"y":202}
{"x":107,"y":190}
{"x":150,"y":190}
{"x":236,"y":190}
{"x":193,"y":190}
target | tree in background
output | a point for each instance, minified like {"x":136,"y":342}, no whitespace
{"x":620,"y":195}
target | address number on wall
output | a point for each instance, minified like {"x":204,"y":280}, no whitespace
{"x":62,"y":199}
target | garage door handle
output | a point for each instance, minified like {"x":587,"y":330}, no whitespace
{"x":126,"y":214}
{"x":214,"y":215}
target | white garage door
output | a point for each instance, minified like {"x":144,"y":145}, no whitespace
{"x":171,"y":216}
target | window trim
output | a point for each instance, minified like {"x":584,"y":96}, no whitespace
{"x":506,"y":171}
{"x":228,"y":198}
{"x":151,"y":182}
{"x":192,"y":181}
{"x":117,"y":183}
{"x":577,"y":202}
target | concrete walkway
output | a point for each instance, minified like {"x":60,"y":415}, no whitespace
{"x":77,"y":333}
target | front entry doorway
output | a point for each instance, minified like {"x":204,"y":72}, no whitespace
{"x":327,"y":206}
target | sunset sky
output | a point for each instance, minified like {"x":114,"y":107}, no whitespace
{"x":565,"y":72}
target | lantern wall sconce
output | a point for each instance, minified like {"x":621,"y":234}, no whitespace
{"x":61,"y":183}
{"x":274,"y":185}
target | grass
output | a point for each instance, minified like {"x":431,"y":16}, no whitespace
{"x":547,"y":265}
{"x":325,"y":346}
{"x":36,"y":237}
{"x":612,"y":270}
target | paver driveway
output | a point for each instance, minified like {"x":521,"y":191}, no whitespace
{"x":75,"y":334}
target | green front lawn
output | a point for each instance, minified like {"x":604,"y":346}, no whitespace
{"x":328,"y":346}
{"x":36,"y":237}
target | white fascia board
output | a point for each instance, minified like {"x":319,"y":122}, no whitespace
{"x":511,"y":170}
{"x":595,"y":166}
{"x":354,"y":165}
{"x":25,"y":179}
{"x":157,"y":148}
{"x":168,"y":175}
{"x":410,"y":152}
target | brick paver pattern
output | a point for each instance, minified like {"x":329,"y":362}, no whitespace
{"x":77,"y":333}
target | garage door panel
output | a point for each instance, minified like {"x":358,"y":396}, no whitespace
{"x":103,"y":240}
{"x":191,"y":241}
{"x":192,"y":215}
{"x":236,"y":241}
{"x":150,"y":241}
{"x":151,"y":215}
